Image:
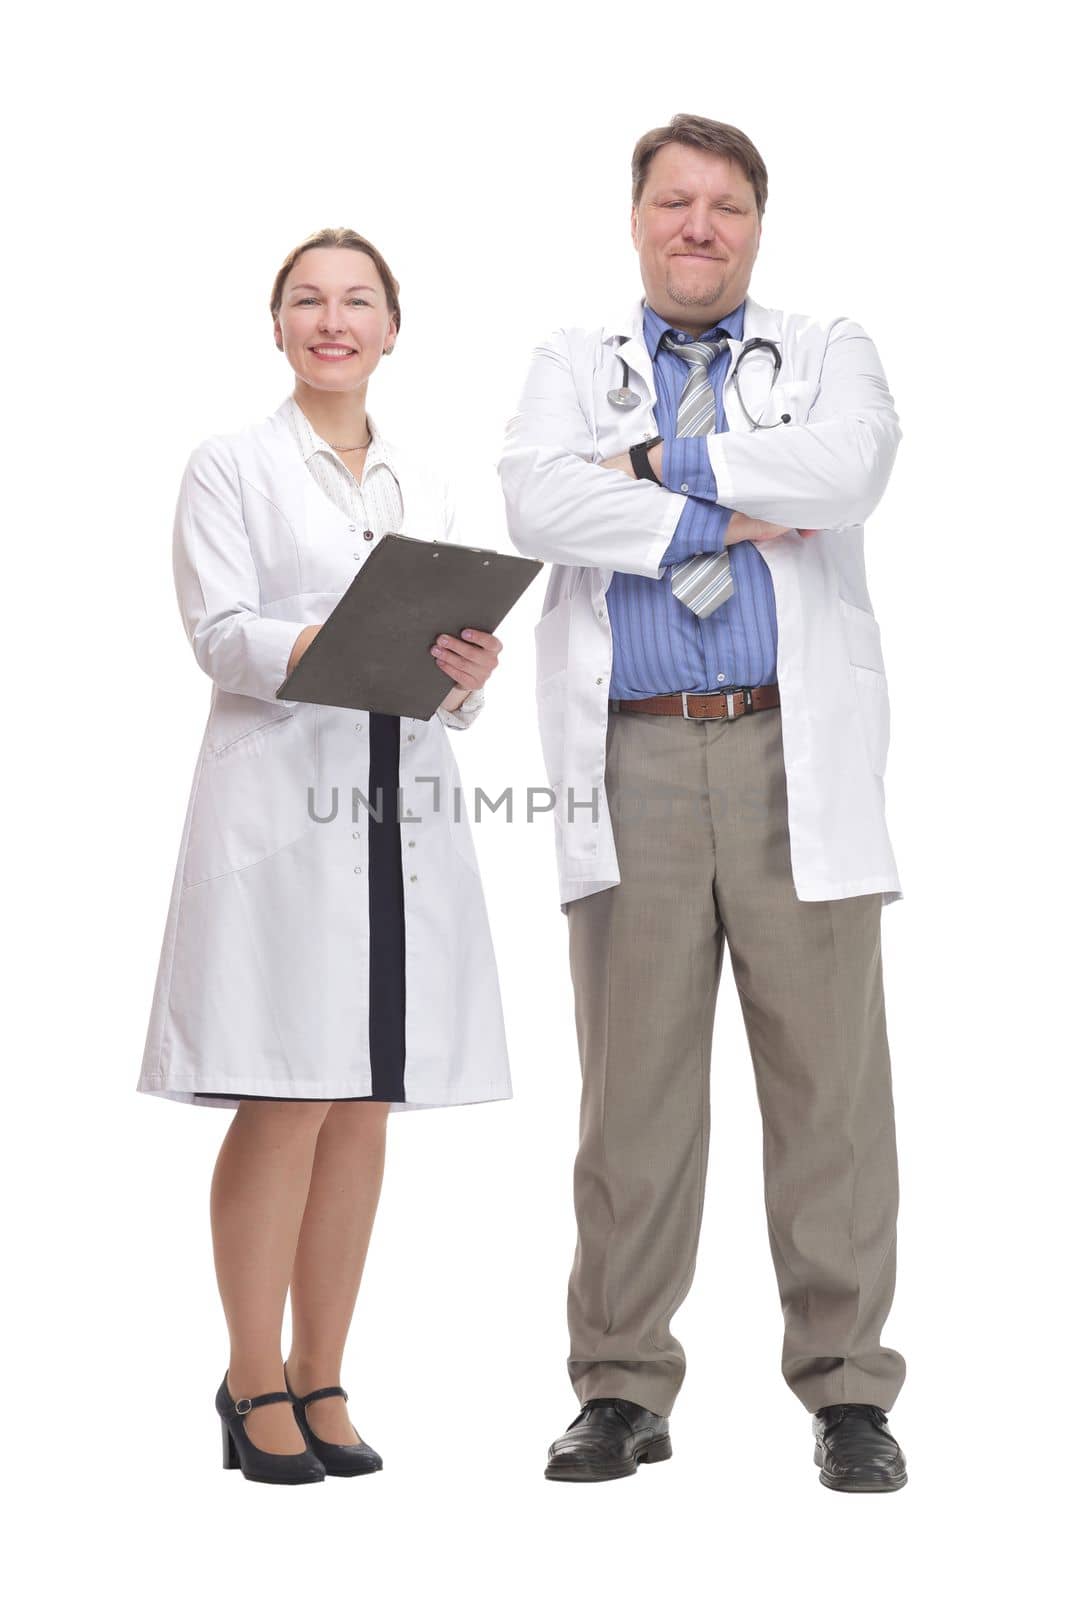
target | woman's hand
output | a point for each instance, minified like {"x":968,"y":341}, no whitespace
{"x":469,"y":660}
{"x":300,"y":644}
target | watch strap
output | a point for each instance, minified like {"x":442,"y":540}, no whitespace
{"x":640,"y":462}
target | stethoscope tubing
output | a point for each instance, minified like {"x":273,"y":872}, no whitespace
{"x":625,"y":398}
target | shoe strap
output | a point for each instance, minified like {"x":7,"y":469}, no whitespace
{"x":322,"y":1394}
{"x":241,"y":1407}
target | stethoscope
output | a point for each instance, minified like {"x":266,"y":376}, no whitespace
{"x":625,"y":397}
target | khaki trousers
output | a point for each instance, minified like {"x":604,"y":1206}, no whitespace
{"x":699,"y":815}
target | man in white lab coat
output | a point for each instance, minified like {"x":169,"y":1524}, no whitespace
{"x":715,"y":721}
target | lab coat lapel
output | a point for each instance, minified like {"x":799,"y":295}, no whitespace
{"x":292,"y":488}
{"x":632,"y":349}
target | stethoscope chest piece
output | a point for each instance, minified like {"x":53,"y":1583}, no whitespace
{"x":626,"y":398}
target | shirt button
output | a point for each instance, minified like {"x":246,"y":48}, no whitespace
{"x":414,"y":877}
{"x":368,"y":534}
{"x":720,"y":677}
{"x":359,"y":727}
{"x":685,"y":488}
{"x":411,"y":738}
{"x":355,"y":835}
{"x":355,"y":555}
{"x":357,"y":869}
{"x":352,"y":528}
{"x":600,"y":680}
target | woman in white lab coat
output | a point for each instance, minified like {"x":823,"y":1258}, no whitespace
{"x":327,"y":954}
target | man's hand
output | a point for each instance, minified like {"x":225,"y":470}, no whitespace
{"x":624,"y":464}
{"x":742,"y":527}
{"x":469,"y":660}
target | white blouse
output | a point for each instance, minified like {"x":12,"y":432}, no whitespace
{"x":375,"y":503}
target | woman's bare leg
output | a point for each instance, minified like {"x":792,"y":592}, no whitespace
{"x":346,"y":1181}
{"x":258,"y":1194}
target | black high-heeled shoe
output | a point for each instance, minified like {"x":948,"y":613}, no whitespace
{"x":261,"y":1466}
{"x":338,"y":1460}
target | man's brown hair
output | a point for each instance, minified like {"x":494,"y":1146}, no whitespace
{"x":718,"y":138}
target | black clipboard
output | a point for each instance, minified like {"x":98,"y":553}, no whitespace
{"x":373,"y":651}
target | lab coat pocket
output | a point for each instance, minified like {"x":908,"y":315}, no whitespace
{"x":552,"y":640}
{"x":792,"y":398}
{"x":461,"y":830}
{"x":252,"y":796}
{"x":552,"y":721}
{"x":864,"y":640}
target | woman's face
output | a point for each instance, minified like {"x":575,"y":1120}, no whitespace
{"x":334,"y":323}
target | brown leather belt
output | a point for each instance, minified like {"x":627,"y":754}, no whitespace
{"x":728,"y":703}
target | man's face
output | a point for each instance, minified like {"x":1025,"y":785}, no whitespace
{"x":697,"y":234}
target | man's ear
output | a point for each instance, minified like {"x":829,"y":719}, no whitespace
{"x":633,"y":226}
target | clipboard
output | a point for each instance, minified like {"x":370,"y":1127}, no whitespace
{"x":373,"y":651}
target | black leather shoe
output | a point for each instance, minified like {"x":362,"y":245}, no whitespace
{"x":608,"y":1439}
{"x":856,"y":1450}
{"x":261,"y":1466}
{"x":338,"y":1460}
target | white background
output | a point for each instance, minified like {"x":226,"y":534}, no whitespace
{"x":161,"y":167}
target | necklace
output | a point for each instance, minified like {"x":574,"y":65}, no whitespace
{"x":345,"y":447}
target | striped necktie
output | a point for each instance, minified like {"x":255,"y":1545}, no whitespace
{"x":703,"y":583}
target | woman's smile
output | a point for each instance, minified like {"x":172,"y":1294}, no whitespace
{"x":332,"y":352}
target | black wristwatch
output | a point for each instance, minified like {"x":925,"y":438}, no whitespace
{"x":639,"y":459}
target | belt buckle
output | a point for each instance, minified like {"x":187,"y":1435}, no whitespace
{"x":729,"y":695}
{"x":685,"y":708}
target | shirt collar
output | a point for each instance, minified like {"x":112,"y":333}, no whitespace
{"x":380,"y":452}
{"x":655,"y":327}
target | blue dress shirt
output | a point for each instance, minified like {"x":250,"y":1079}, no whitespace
{"x":660,"y":646}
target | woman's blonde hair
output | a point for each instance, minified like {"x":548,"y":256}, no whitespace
{"x":345,"y":239}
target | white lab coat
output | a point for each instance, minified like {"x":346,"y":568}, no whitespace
{"x":262,"y":982}
{"x":826,"y":469}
